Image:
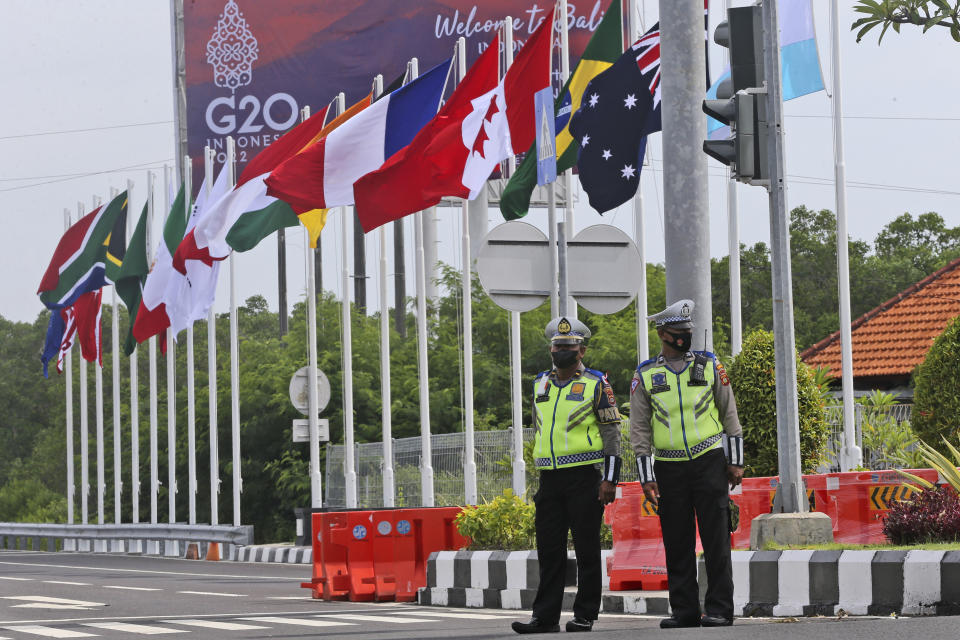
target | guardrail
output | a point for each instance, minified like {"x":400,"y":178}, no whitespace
{"x":126,"y":538}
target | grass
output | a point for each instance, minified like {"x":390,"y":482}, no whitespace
{"x":839,"y":546}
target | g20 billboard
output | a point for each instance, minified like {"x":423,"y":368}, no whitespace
{"x":252,"y":64}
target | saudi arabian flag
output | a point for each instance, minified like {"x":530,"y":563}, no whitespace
{"x":133,"y":273}
{"x":602,"y":51}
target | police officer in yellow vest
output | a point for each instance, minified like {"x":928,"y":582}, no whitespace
{"x":577,"y":450}
{"x":686,"y":434}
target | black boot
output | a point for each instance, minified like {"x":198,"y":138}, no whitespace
{"x":715,"y":621}
{"x":579,"y":624}
{"x":536,"y":625}
{"x":679,"y":623}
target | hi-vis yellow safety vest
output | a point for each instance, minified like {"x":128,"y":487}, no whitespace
{"x":684,"y":417}
{"x":568,"y":433}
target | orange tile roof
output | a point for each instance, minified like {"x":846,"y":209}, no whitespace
{"x":893,"y":338}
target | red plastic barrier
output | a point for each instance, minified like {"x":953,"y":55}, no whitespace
{"x":857,"y":502}
{"x":405,"y":558}
{"x":331,"y":557}
{"x":434,"y":529}
{"x":316,"y":583}
{"x":638,"y":560}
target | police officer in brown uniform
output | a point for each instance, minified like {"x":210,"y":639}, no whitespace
{"x":686,"y":434}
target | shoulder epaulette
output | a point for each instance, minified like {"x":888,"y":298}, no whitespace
{"x":541,"y":374}
{"x":646,"y":363}
{"x":598,"y":374}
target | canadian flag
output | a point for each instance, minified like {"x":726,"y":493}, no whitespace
{"x":479,"y":126}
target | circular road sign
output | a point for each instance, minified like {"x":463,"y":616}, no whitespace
{"x":604,"y":269}
{"x":299,"y":391}
{"x":514,"y":266}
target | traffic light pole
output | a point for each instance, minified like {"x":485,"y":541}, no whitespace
{"x":790,"y":497}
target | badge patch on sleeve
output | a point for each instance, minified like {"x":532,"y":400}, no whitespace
{"x":633,"y":385}
{"x":724,"y":379}
{"x":609,"y":391}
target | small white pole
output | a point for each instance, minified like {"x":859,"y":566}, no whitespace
{"x":68,"y":385}
{"x":212,"y":386}
{"x":191,"y":380}
{"x":152,"y":353}
{"x":426,"y":450}
{"x":115,"y":345}
{"x":134,"y":406}
{"x":98,"y":413}
{"x":852,"y":454}
{"x":643,"y":346}
{"x":171,"y":372}
{"x":313,"y":414}
{"x":469,"y":457}
{"x":234,"y":360}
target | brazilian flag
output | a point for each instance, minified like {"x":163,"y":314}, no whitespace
{"x":604,"y":48}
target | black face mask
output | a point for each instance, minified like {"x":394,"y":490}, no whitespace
{"x":681,"y":340}
{"x":564,"y":359}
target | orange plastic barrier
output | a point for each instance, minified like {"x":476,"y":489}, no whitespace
{"x":638,"y":560}
{"x":378,"y":555}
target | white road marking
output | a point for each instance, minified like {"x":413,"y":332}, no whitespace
{"x":76,"y":584}
{"x":41,"y":605}
{"x":289,"y":598}
{"x":51,"y":632}
{"x":214,"y":624}
{"x":134,"y":628}
{"x":366,"y":618}
{"x":133,"y":588}
{"x":299,"y":621}
{"x":18,"y":579}
{"x":151,"y":618}
{"x":49,"y":600}
{"x":460,"y":616}
{"x":33,"y":565}
{"x":214,"y":593}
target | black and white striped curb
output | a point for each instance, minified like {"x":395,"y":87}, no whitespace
{"x":791,"y":583}
{"x":766,"y":583}
{"x":162,"y":548}
{"x":274,"y":553}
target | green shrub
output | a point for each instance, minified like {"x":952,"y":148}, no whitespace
{"x":893,"y":444}
{"x":506,"y":524}
{"x":936,"y":397}
{"x":754,"y":386}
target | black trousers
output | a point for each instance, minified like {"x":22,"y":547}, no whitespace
{"x":696,"y":488}
{"x":567,"y":500}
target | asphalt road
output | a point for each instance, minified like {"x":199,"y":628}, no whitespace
{"x":84,"y":596}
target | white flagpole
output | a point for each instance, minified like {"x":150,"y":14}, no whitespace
{"x":115,"y":345}
{"x":171,"y":379}
{"x":191,"y":387}
{"x":212,"y":385}
{"x":84,"y":430}
{"x":389,"y":490}
{"x":234,"y":360}
{"x":567,"y":177}
{"x":639,"y":236}
{"x":310,"y":256}
{"x":426,"y":450}
{"x":733,"y":249}
{"x":68,"y":385}
{"x":516,"y":381}
{"x":98,"y":412}
{"x":134,"y":404}
{"x":852,"y":455}
{"x":469,"y":461}
{"x":152,"y":354}
{"x":350,"y":470}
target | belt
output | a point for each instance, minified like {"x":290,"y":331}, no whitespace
{"x":589,"y":456}
{"x":681,"y":454}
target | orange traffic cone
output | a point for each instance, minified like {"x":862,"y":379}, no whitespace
{"x":213,"y":551}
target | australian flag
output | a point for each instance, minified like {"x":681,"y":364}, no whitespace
{"x":619,"y":109}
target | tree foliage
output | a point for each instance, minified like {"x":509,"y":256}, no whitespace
{"x":894,"y":13}
{"x":936,"y":410}
{"x":752,"y":375}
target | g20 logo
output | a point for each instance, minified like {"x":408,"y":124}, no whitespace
{"x":223,"y":114}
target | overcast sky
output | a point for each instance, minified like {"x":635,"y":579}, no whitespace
{"x":87,"y":104}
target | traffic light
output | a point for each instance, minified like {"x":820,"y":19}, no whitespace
{"x":741,"y":98}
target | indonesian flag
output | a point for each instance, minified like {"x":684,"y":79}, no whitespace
{"x":482,"y":124}
{"x":208,"y":241}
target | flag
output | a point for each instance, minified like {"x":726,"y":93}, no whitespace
{"x":619,"y":109}
{"x":454,"y":154}
{"x":247,"y":214}
{"x":323,"y":175}
{"x":151,"y":317}
{"x":189,"y":296}
{"x":602,"y":51}
{"x":799,"y":60}
{"x":79,"y":261}
{"x":87,"y":309}
{"x":60,"y":331}
{"x":131,"y":276}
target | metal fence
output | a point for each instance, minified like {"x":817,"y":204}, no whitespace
{"x":900,"y":413}
{"x":494,"y":453}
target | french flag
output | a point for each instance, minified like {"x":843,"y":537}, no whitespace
{"x":322,"y":176}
